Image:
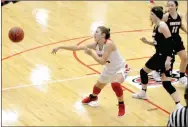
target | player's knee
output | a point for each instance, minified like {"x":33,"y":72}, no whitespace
{"x":168,"y":87}
{"x":117,"y":89}
{"x":143,"y":76}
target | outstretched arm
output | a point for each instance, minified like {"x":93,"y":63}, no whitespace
{"x":75,"y":47}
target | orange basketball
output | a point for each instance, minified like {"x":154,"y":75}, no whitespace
{"x":16,"y":34}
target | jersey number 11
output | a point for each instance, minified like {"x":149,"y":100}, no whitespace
{"x":174,"y":29}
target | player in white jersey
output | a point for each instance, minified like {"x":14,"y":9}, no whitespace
{"x":115,"y":70}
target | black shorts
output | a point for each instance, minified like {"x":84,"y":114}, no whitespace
{"x":178,"y":44}
{"x":157,"y":63}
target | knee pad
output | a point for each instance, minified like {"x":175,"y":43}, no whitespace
{"x":117,"y":89}
{"x":168,"y":87}
{"x":144,"y":77}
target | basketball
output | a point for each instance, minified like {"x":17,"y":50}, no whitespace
{"x":16,"y":34}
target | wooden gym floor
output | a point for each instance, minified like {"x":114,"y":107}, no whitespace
{"x":39,"y":88}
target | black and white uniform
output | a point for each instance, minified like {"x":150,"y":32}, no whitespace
{"x":174,"y":26}
{"x":157,"y":61}
{"x":179,"y":118}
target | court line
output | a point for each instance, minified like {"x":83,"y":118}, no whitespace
{"x":7,"y":57}
{"x":81,"y":62}
{"x":21,"y":86}
{"x":50,"y":82}
{"x":74,"y":53}
{"x":55,"y":81}
{"x":30,"y":49}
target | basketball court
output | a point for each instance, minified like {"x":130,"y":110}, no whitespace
{"x":42,"y":89}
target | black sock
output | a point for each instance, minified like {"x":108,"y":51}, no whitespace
{"x":177,"y":102}
{"x":182,"y":74}
{"x":122,"y":102}
{"x":144,"y":89}
{"x":91,"y":96}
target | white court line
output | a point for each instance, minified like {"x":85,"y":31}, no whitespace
{"x":50,"y":82}
{"x":63,"y":80}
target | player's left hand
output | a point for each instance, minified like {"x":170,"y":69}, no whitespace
{"x":168,"y":64}
{"x":88,"y":51}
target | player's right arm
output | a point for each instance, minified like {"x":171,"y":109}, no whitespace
{"x":165,"y":17}
{"x":143,"y":39}
{"x":75,"y":47}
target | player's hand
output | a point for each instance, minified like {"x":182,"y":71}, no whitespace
{"x":168,"y":64}
{"x":143,"y":39}
{"x":88,"y":51}
{"x":55,"y":50}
